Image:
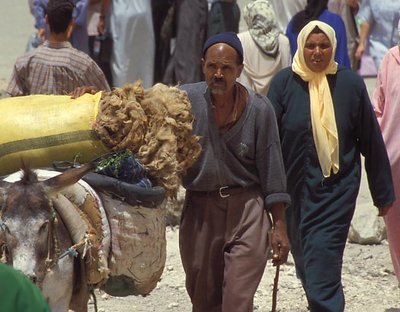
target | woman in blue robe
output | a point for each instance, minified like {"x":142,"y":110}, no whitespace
{"x":326,"y":121}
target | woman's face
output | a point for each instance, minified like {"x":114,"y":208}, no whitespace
{"x":317,"y":52}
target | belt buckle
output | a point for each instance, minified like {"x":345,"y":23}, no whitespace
{"x":221,"y":194}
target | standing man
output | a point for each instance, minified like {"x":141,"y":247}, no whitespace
{"x":238,"y":180}
{"x":79,"y":35}
{"x":224,"y":16}
{"x":56,"y":67}
{"x":131,"y":26}
{"x":191,"y":26}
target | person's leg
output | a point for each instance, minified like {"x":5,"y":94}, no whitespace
{"x":323,"y":258}
{"x":201,"y":240}
{"x":296,"y":247}
{"x":245,"y":251}
{"x":319,"y":225}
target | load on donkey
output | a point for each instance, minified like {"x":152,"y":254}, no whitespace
{"x":120,"y":244}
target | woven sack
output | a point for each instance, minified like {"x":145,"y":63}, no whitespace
{"x":138,"y":247}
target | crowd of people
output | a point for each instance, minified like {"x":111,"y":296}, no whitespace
{"x":154,"y":41}
{"x":283,"y":117}
{"x":157,"y":41}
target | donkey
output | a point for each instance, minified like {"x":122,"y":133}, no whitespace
{"x":33,"y":236}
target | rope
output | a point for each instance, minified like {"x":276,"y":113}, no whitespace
{"x":71,"y":251}
{"x":53,"y":249}
{"x":94,"y":299}
{"x":87,"y":244}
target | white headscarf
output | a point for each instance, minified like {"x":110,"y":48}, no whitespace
{"x":261,"y":21}
{"x":321,"y":106}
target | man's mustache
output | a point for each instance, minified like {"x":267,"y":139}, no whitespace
{"x":218,"y":80}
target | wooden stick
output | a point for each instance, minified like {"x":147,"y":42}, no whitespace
{"x":275,"y":290}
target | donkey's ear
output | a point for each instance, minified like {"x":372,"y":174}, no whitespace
{"x":67,"y":178}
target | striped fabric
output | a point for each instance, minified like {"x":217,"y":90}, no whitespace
{"x":55,"y":68}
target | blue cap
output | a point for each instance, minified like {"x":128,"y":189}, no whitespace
{"x":230,"y":38}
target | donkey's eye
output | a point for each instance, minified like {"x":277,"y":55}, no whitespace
{"x":44,"y":227}
{"x":8,"y":238}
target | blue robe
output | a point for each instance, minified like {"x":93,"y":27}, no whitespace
{"x":336,"y":22}
{"x":322,"y":208}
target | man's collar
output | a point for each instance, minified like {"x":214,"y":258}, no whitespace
{"x":57,"y":45}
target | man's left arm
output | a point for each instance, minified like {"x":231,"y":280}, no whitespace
{"x":273,"y":181}
{"x":279,"y":240}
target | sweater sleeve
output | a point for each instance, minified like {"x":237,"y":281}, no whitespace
{"x":269,"y":161}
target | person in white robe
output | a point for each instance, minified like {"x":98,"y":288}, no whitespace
{"x":131,"y":27}
{"x":266,"y":49}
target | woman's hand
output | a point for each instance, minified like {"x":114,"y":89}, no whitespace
{"x":384,"y":210}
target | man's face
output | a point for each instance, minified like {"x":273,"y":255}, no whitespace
{"x":317,"y":52}
{"x":221,"y":68}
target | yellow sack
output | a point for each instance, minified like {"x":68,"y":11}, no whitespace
{"x":43,"y":128}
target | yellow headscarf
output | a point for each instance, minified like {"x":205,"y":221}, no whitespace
{"x":321,"y":106}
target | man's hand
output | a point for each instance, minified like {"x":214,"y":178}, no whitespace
{"x":82,"y":90}
{"x":101,"y":25}
{"x":280,"y":243}
{"x":279,"y":238}
{"x":359,"y":51}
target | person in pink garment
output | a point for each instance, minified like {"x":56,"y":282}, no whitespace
{"x":386,"y":101}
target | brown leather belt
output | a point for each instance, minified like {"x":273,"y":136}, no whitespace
{"x":225,"y":191}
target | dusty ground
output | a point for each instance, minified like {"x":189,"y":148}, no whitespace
{"x":368,"y":279}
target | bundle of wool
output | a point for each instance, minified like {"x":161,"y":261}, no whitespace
{"x":155,"y":125}
{"x":121,"y":122}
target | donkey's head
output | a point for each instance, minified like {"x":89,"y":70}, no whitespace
{"x":28,"y":236}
